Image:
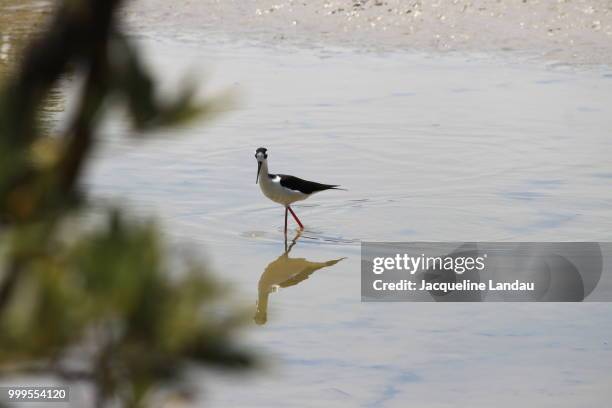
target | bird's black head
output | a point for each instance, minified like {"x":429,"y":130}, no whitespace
{"x":261,"y":155}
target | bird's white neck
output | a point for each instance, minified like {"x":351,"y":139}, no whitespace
{"x":263,"y":173}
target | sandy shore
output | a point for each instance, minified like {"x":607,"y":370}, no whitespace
{"x":568,"y":31}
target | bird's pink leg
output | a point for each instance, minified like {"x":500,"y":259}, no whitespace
{"x":286,"y":221}
{"x":295,"y":217}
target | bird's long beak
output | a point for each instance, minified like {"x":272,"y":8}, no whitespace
{"x":258,"y":170}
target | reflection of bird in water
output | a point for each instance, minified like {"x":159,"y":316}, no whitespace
{"x":284,"y":272}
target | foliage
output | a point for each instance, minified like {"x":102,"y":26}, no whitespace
{"x":95,"y":299}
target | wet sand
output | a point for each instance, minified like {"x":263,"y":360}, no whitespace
{"x":565,"y":31}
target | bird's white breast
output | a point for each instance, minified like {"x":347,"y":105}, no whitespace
{"x":272,"y":188}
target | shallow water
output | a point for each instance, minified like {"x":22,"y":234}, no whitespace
{"x":455,"y":147}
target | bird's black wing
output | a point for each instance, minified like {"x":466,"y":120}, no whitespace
{"x":303,"y":186}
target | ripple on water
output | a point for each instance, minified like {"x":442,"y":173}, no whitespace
{"x":306,"y":236}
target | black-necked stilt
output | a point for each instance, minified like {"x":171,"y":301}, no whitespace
{"x":284,"y":189}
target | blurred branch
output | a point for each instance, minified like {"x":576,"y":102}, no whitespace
{"x":81,"y":132}
{"x":8,"y":284}
{"x":79,"y":29}
{"x":59,"y":285}
{"x":62,"y":373}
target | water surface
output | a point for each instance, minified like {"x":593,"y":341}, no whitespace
{"x":430,"y":147}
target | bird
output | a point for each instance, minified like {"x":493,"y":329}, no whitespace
{"x":284,"y":189}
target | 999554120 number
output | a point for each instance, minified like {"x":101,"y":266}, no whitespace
{"x":31,"y":394}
